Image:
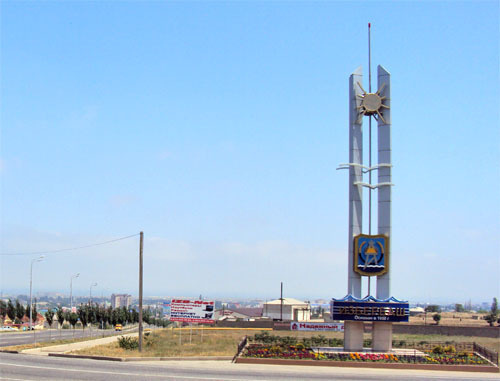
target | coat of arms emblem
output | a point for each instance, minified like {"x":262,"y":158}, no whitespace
{"x":371,"y":254}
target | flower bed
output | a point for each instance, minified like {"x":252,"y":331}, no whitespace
{"x":278,"y":351}
{"x":455,"y":359}
{"x":299,"y":351}
{"x":469,"y":359}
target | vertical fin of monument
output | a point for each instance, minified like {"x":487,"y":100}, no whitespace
{"x":385,"y":176}
{"x":382,"y":331}
{"x":353,"y":330}
{"x":355,"y":175}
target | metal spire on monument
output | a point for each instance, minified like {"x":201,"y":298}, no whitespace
{"x":369,"y":255}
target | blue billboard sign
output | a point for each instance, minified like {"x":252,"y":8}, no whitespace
{"x":370,"y":311}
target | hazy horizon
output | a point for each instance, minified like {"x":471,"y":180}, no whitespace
{"x":85,"y":294}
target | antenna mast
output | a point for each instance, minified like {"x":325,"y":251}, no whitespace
{"x":369,"y":144}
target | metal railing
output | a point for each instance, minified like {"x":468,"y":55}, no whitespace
{"x":241,"y":346}
{"x":429,"y":345}
{"x":486,"y":353}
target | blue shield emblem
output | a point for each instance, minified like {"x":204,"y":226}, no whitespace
{"x":371,"y":254}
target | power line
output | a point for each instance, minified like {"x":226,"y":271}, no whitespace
{"x":71,"y":248}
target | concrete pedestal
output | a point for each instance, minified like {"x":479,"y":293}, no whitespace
{"x":353,"y":336}
{"x":382,"y":337}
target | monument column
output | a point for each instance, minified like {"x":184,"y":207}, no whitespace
{"x":382,"y":331}
{"x":353,"y":330}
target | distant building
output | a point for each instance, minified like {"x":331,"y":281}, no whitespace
{"x":245,"y":314}
{"x":290,"y":310}
{"x":121,"y":300}
{"x":416,"y":311}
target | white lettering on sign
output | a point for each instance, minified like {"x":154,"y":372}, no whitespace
{"x":294,"y":326}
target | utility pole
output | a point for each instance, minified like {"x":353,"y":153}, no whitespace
{"x":90,"y":293}
{"x":140,"y":290}
{"x":281,"y":304}
{"x":71,"y":291}
{"x":31,"y":287}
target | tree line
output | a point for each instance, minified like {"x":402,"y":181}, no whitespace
{"x":86,"y":314}
{"x":17,"y":311}
{"x":94,"y":314}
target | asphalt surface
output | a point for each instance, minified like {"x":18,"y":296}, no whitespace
{"x":20,"y":338}
{"x":31,"y":367}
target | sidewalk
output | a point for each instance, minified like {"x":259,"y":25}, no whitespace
{"x":65,"y":348}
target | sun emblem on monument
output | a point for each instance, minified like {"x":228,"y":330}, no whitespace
{"x":371,"y":103}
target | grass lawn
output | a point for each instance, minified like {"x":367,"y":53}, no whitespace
{"x":173,"y":343}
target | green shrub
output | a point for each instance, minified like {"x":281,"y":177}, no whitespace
{"x":319,"y":340}
{"x":438,"y":350}
{"x":449,"y":349}
{"x":335,"y":342}
{"x":151,"y":340}
{"x":260,"y":336}
{"x":265,"y":338}
{"x":128,"y":342}
{"x":437,"y":318}
{"x":300,"y":346}
{"x":306,"y":342}
{"x":287,"y":340}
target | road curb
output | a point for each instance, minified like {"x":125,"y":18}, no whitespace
{"x":193,"y":358}
{"x":86,"y":357}
{"x":8,"y":351}
{"x":129,"y":359}
{"x":353,"y":364}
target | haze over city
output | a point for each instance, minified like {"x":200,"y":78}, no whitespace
{"x":217,"y":128}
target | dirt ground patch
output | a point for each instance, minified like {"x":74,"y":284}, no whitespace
{"x":465,"y":319}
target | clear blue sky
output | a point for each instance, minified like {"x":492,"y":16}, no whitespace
{"x":216,"y":128}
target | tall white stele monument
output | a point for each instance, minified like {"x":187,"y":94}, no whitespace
{"x":377,"y":104}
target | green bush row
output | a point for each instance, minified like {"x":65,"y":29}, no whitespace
{"x":319,"y":340}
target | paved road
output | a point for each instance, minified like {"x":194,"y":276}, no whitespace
{"x":30,"y":367}
{"x":19,"y":338}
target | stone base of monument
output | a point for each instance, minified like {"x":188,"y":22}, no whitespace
{"x":353,"y":336}
{"x":382,"y":337}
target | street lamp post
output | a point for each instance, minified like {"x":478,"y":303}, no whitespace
{"x":31,"y":287}
{"x":90,"y":297}
{"x":71,"y":291}
{"x":90,"y":304}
